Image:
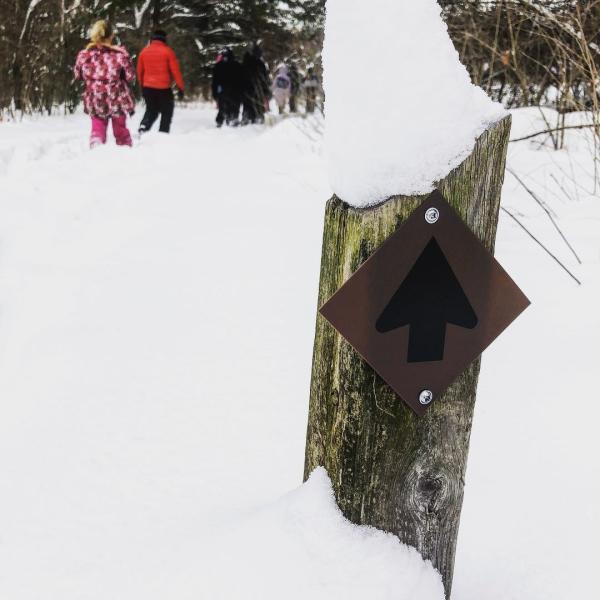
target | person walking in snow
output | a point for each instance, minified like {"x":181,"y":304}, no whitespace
{"x":310,"y":84}
{"x":257,"y":86}
{"x":157,"y":69}
{"x":295,"y":81}
{"x":282,"y":86}
{"x":107,"y":71}
{"x":227,"y":87}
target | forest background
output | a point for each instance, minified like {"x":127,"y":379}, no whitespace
{"x":522,"y":52}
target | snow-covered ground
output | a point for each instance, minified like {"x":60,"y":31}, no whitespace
{"x":157,"y":312}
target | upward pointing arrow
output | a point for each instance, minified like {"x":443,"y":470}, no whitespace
{"x":427,"y":300}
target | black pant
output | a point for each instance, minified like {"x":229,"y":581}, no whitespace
{"x":253,"y":109}
{"x":229,"y":108}
{"x":311,"y":100}
{"x":158,"y":102}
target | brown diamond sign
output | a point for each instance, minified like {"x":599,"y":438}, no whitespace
{"x":426,"y":304}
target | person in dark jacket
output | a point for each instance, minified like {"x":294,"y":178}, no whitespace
{"x":257,"y":86}
{"x":157,"y":69}
{"x":295,"y":81}
{"x":311,"y":85}
{"x":227,"y":85}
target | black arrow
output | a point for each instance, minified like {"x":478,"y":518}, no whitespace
{"x":427,"y":300}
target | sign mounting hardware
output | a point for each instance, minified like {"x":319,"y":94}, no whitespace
{"x":432,"y":215}
{"x":425,"y":397}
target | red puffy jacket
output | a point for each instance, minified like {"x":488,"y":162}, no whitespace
{"x":157,"y":67}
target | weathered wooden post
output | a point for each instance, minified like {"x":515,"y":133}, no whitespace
{"x":391,"y":468}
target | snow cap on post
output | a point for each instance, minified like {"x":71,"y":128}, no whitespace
{"x":400,"y":110}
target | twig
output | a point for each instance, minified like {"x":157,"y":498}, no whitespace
{"x":549,"y":129}
{"x":539,"y":243}
{"x":545,"y":209}
{"x":553,"y":130}
{"x":561,"y":187}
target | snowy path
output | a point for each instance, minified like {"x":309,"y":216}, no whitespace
{"x":149,"y":301}
{"x":156,"y":322}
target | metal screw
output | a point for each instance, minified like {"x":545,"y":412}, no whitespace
{"x":432,"y":215}
{"x":425,"y":397}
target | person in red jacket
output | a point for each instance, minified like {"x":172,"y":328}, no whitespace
{"x":157,"y":68}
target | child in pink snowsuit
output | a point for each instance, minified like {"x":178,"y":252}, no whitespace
{"x":106,"y":71}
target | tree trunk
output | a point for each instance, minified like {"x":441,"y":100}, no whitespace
{"x":391,"y":469}
{"x":156,"y":15}
{"x":17,"y":81}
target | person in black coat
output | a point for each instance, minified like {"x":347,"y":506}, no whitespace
{"x":227,"y":86}
{"x":257,"y":86}
{"x":295,"y":80}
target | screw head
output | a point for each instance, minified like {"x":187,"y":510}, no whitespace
{"x":432,"y":215}
{"x":425,"y":397}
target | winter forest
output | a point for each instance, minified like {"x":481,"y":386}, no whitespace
{"x":522,"y":53}
{"x":40,"y":39}
{"x":299,"y":299}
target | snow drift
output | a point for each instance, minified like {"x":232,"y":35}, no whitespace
{"x":401,"y":111}
{"x":302,"y":547}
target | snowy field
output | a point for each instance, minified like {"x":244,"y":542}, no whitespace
{"x":157,"y":310}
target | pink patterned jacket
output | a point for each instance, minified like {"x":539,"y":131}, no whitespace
{"x":106,"y":73}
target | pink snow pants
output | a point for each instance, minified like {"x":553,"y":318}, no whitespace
{"x":119,"y":126}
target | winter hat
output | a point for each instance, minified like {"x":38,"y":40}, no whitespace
{"x":228,"y":54}
{"x":160,"y":35}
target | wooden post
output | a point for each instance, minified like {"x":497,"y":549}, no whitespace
{"x":391,"y":469}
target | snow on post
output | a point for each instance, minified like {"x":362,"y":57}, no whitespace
{"x":402,"y":118}
{"x":401,"y":111}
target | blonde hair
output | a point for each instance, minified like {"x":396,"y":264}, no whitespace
{"x":100,"y":33}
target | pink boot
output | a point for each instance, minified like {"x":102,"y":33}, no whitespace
{"x":122,"y":135}
{"x":98,"y":135}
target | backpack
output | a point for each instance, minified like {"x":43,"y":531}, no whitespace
{"x":283,"y":83}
